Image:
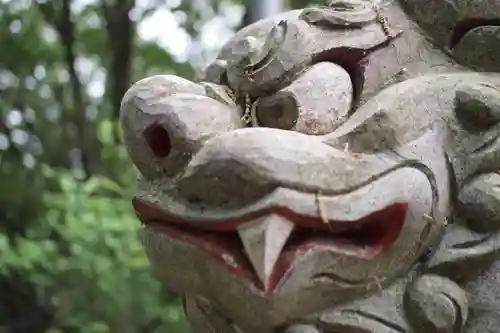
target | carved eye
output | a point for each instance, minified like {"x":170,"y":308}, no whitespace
{"x":477,"y":107}
{"x":316,"y":103}
{"x":279,"y":111}
{"x":474,"y":42}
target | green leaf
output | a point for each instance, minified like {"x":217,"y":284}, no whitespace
{"x":137,"y":262}
{"x":97,"y":327}
{"x":106,"y":132}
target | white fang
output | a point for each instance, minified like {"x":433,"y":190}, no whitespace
{"x":263,"y":240}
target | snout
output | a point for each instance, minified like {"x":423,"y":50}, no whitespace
{"x":194,"y":151}
{"x":275,"y":210}
{"x":166,"y":119}
{"x":238,"y":167}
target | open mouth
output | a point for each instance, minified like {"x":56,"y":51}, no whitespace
{"x":463,"y":27}
{"x":262,"y":246}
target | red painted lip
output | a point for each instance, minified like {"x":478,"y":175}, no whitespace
{"x":364,"y":238}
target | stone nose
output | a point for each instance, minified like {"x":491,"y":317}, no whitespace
{"x":166,"y":119}
{"x":243,"y":166}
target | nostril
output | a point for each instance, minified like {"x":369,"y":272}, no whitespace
{"x":158,"y":140}
{"x":165,"y":124}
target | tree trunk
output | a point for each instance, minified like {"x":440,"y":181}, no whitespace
{"x":259,"y":9}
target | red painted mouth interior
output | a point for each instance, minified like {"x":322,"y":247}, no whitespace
{"x":363,"y":239}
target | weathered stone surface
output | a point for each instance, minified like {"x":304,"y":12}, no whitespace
{"x":478,"y":106}
{"x":317,"y":102}
{"x":436,"y":304}
{"x":479,"y":203}
{"x":302,"y":329}
{"x":343,"y":14}
{"x":336,"y":171}
{"x":475,"y":48}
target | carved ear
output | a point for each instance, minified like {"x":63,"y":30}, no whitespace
{"x":477,"y":107}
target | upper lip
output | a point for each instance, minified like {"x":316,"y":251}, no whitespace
{"x":260,"y":160}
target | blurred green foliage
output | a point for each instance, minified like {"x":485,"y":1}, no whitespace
{"x":85,"y":256}
{"x":70,"y":259}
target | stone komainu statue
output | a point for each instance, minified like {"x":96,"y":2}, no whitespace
{"x":335,"y":172}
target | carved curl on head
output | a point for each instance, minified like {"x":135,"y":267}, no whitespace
{"x":341,"y":13}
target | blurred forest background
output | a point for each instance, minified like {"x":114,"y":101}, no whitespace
{"x":70,"y":261}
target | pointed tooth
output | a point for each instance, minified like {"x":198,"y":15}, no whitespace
{"x":263,"y":240}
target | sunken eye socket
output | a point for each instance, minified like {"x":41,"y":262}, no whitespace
{"x":277,"y":113}
{"x":477,"y":107}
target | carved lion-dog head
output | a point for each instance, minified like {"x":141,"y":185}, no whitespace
{"x":268,"y":198}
